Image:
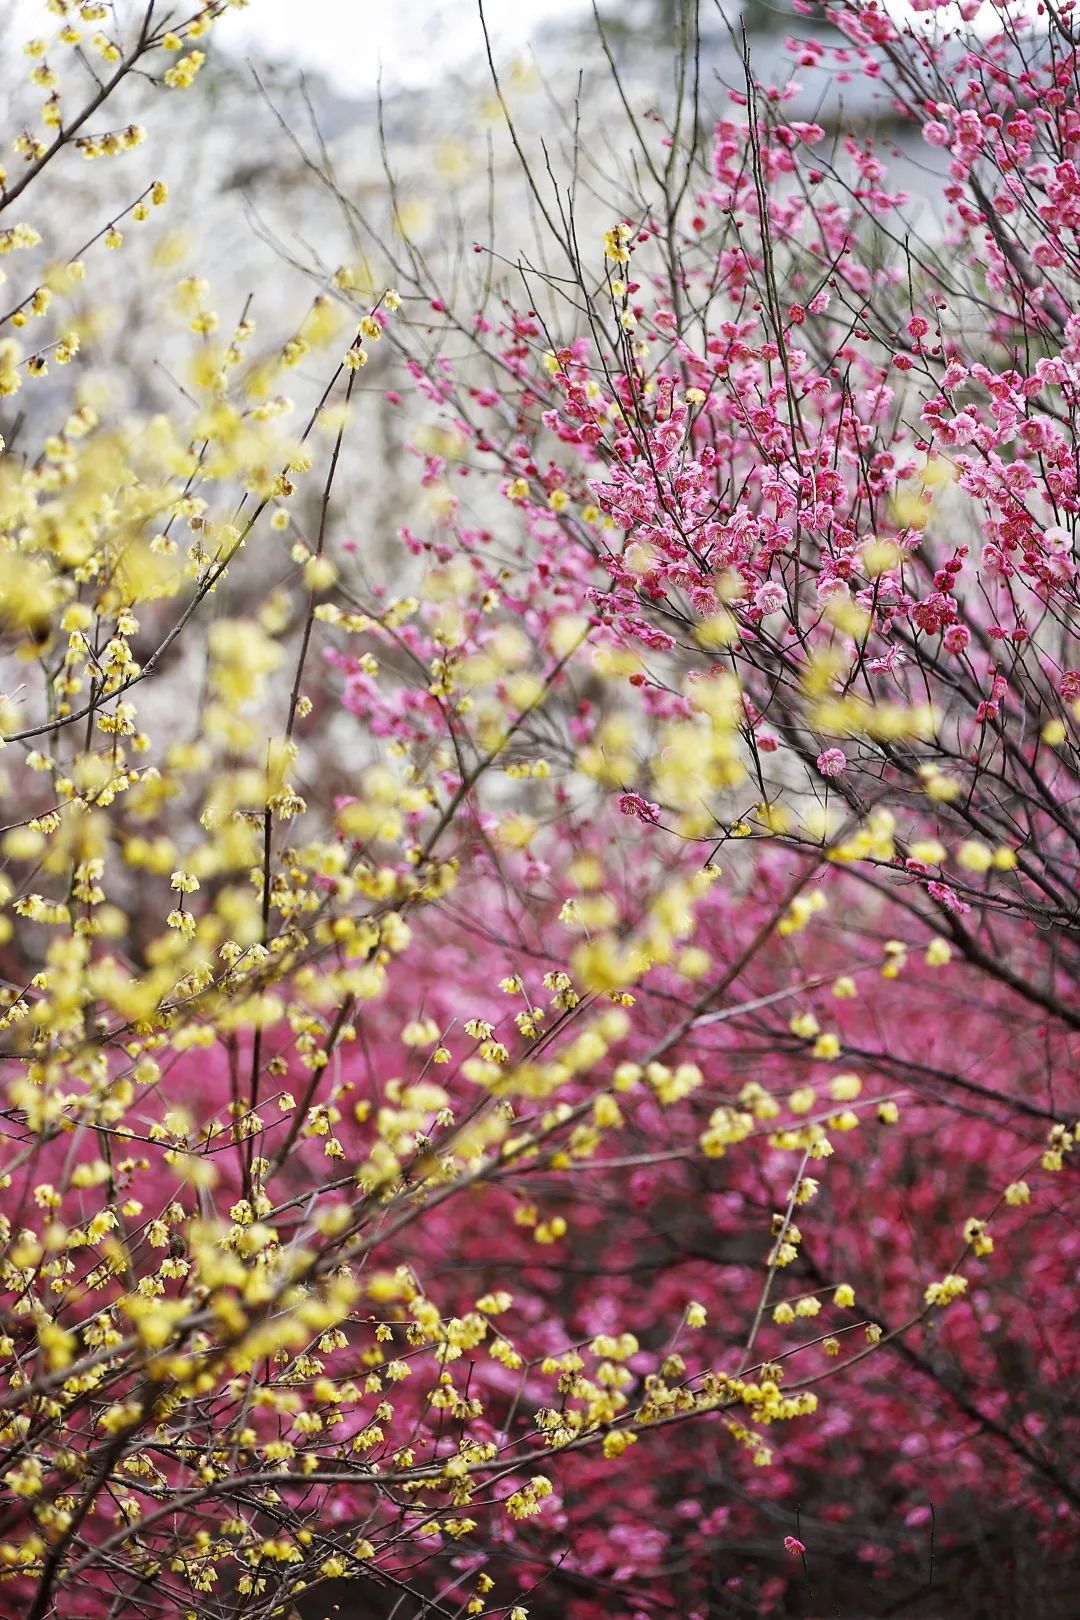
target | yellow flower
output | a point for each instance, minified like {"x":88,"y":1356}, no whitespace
{"x":616,"y":243}
{"x":944,"y":1292}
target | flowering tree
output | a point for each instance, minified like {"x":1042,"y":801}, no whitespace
{"x":601,"y":1143}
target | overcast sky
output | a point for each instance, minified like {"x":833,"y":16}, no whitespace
{"x":416,"y":41}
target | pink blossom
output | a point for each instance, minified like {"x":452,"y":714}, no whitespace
{"x":833,"y":762}
{"x":947,"y":896}
{"x":632,"y":804}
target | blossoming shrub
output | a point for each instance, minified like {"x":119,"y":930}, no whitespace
{"x":608,"y":1146}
